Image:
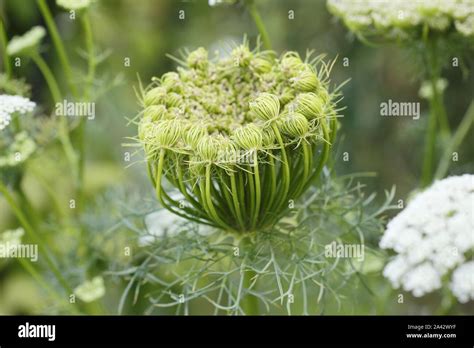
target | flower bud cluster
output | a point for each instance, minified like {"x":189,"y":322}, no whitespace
{"x":251,"y":106}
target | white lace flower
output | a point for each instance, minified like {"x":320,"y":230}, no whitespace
{"x":431,"y":236}
{"x":10,"y":104}
{"x":462,"y":284}
{"x":90,"y":290}
{"x":19,"y":45}
{"x":401,"y":19}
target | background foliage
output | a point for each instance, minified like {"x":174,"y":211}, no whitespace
{"x":119,"y":195}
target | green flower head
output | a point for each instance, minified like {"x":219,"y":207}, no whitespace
{"x":218,"y":128}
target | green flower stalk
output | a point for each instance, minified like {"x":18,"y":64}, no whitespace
{"x":238,"y":138}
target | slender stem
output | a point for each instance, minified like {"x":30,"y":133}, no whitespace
{"x":81,"y":132}
{"x":35,"y":237}
{"x":161,"y":194}
{"x":210,"y":204}
{"x":259,"y":23}
{"x":27,"y":206}
{"x":434,"y":69}
{"x":225,"y":195}
{"x":441,"y":110}
{"x":455,"y":141}
{"x":91,"y":62}
{"x":307,"y":165}
{"x":258,"y":192}
{"x":3,"y":46}
{"x":57,"y":97}
{"x":251,"y":187}
{"x":273,"y":182}
{"x":429,"y":152}
{"x":42,"y":282}
{"x":285,"y":166}
{"x":58,"y":44}
{"x":235,"y":198}
{"x":250,"y":304}
{"x":437,"y":115}
{"x":323,"y":157}
{"x":50,"y":191}
{"x":182,"y":188}
{"x":49,"y":77}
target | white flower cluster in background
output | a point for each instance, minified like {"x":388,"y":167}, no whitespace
{"x":17,"y":151}
{"x":462,"y":284}
{"x":9,"y":104}
{"x":400,"y":19}
{"x":163,"y":223}
{"x":432,"y":236}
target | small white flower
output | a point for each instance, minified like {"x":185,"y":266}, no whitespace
{"x":10,"y":104}
{"x":11,"y":239}
{"x":426,"y":89}
{"x":462,"y":284}
{"x":19,"y":45}
{"x":432,"y":235}
{"x":466,"y":26}
{"x":73,"y":4}
{"x":91,"y":290}
{"x":213,"y":3}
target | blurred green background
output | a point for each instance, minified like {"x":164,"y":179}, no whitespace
{"x":146,"y":30}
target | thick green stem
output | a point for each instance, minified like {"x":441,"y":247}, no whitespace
{"x":259,"y":23}
{"x":58,"y":44}
{"x":3,"y":46}
{"x":455,"y":141}
{"x":249,"y":302}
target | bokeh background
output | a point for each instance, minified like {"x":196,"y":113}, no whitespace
{"x":145,"y":31}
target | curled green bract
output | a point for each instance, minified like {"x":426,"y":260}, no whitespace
{"x":237,"y":139}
